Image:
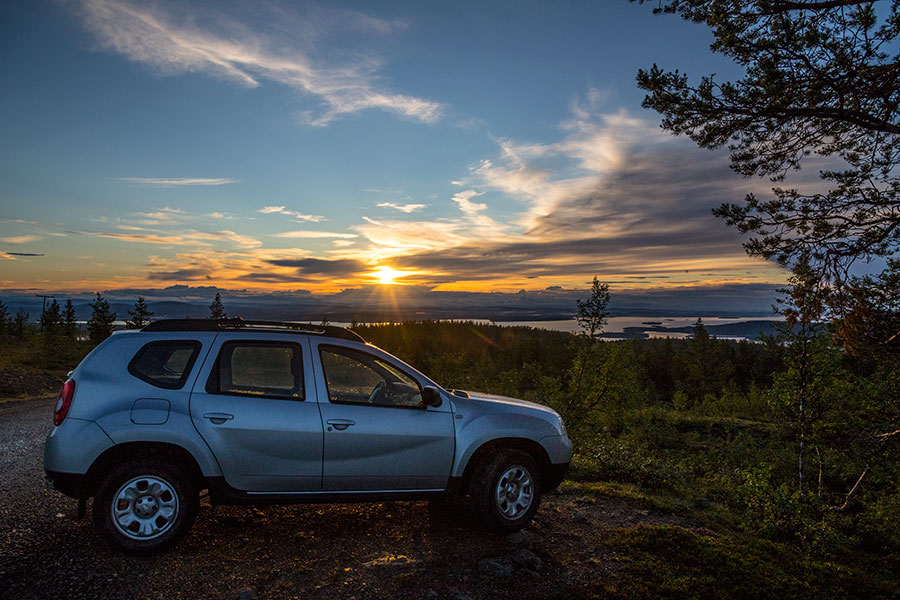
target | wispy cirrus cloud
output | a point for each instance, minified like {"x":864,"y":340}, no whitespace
{"x":162,"y":216}
{"x":312,"y":235}
{"x":20,"y":239}
{"x":404,"y":208}
{"x":177,"y":38}
{"x":296,"y":215}
{"x":177,"y":181}
{"x":182,"y":238}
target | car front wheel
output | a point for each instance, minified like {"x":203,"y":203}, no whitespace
{"x":506,"y":490}
{"x":145,"y":506}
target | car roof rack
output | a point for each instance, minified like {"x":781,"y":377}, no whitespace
{"x":238,"y":324}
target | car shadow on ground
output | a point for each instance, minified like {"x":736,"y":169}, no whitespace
{"x":384,"y":550}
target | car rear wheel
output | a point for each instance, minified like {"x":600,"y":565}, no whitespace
{"x":145,"y":506}
{"x":506,"y":490}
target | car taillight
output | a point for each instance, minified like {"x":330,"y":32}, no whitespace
{"x":64,"y":401}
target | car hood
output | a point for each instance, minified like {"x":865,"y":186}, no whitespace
{"x":501,"y":402}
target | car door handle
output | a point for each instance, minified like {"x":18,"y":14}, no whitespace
{"x":218,"y":418}
{"x":341,"y":424}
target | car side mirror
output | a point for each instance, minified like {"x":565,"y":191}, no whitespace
{"x":431,"y":396}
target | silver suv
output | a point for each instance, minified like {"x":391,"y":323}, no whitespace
{"x":258,"y":411}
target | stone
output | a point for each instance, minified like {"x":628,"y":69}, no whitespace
{"x":523,"y":538}
{"x":459,"y":594}
{"x":495,"y":568}
{"x":526,"y":559}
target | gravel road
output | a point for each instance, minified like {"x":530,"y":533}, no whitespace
{"x":390,"y":550}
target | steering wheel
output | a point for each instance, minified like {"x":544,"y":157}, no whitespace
{"x":376,"y":392}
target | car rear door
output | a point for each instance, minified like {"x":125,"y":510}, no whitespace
{"x":255,"y":405}
{"x":378,"y":439}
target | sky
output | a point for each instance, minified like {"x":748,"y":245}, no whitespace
{"x":273,"y":146}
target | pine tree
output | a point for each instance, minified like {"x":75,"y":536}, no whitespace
{"x":816,"y":79}
{"x":69,"y":325}
{"x":100,"y":326}
{"x":20,"y":324}
{"x":5,"y":324}
{"x":140,"y":316}
{"x":51,"y":320}
{"x":217,"y":309}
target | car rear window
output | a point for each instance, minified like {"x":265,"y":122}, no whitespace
{"x":265,"y":369}
{"x":166,"y":363}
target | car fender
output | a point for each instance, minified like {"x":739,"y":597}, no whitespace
{"x":473,"y":433}
{"x":178,"y":430}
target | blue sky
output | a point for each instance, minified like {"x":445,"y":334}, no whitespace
{"x":322,"y":146}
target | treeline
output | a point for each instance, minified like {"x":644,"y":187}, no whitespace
{"x":55,"y":340}
{"x":703,"y":372}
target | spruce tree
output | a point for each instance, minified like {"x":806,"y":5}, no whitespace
{"x":217,"y":309}
{"x":20,"y":324}
{"x":51,"y":320}
{"x":4,"y":319}
{"x":140,"y":316}
{"x":100,"y":326}
{"x":69,"y":325}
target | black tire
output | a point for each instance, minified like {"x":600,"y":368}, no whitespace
{"x":157,"y":504}
{"x":516,"y":471}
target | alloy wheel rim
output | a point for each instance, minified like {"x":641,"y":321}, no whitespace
{"x":144,"y":507}
{"x":515,"y":492}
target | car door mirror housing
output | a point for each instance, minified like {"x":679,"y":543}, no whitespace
{"x":431,"y":396}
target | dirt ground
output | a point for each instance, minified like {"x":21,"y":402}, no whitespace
{"x":390,"y":550}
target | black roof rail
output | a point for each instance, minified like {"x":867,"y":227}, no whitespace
{"x":238,"y":324}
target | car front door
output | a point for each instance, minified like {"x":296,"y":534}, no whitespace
{"x":378,"y":433}
{"x":255,"y":405}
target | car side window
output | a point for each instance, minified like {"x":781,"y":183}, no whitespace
{"x":165,"y":364}
{"x":262,"y":369}
{"x":355,"y":377}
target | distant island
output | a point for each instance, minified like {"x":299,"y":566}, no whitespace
{"x":751,"y":330}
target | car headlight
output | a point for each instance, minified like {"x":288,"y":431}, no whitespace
{"x":562,"y":425}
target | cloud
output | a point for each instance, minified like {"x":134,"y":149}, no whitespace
{"x":297,"y":216}
{"x":280,"y":48}
{"x":202,"y":265}
{"x":243,"y":241}
{"x":405,"y":208}
{"x":162,"y":216}
{"x":464,"y":200}
{"x":177,"y":181}
{"x":24,"y":254}
{"x":474,"y":212}
{"x":184,"y":238}
{"x":20,"y":239}
{"x":318,"y":266}
{"x":149,"y":238}
{"x":390,"y":237}
{"x":313,"y":234}
{"x":612,"y":196}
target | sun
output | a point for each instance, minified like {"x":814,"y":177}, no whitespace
{"x":385,"y":275}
